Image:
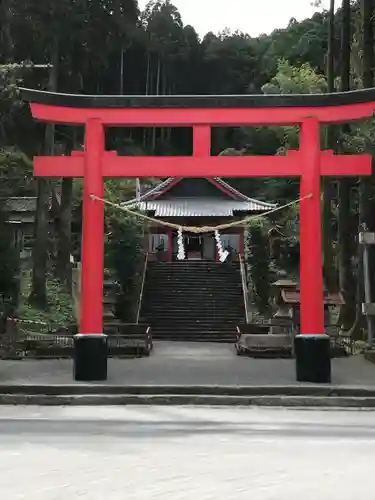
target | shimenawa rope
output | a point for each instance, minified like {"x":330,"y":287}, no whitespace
{"x":198,"y":229}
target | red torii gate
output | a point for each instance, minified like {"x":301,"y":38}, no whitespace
{"x":202,"y":113}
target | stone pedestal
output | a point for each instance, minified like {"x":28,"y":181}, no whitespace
{"x":90,"y":357}
{"x":313,"y":358}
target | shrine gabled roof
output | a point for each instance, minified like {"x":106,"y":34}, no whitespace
{"x":20,"y":204}
{"x":197,"y":207}
{"x":229,"y":190}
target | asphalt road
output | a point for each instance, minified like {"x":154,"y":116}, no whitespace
{"x":66,"y":453}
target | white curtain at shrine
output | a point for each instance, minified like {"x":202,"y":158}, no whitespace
{"x":231,"y":240}
{"x":157,"y":241}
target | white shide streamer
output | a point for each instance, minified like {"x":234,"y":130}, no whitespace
{"x":223,"y":254}
{"x":180,"y":242}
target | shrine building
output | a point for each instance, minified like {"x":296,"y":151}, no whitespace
{"x":196,"y":202}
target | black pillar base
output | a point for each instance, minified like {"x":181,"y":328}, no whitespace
{"x":90,"y":357}
{"x":313,"y":358}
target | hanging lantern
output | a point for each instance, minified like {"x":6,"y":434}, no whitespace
{"x":180,"y":243}
{"x":223,"y":254}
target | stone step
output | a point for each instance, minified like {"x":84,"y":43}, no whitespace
{"x":202,"y":302}
{"x":181,"y":282}
{"x":204,"y":328}
{"x":186,"y":337}
{"x":189,"y":305}
{"x":223,"y":318}
{"x":195,"y":320}
{"x":199,"y":301}
{"x":174,"y":320}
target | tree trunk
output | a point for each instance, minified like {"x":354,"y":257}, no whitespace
{"x":366,"y":185}
{"x":122,"y":71}
{"x":163,"y":92}
{"x":346,"y":237}
{"x":6,"y":30}
{"x":330,"y":274}
{"x":158,"y":75}
{"x":38,"y":295}
{"x":63,"y":265}
{"x":147,"y":89}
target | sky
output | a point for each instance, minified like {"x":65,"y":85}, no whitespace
{"x":250,"y":16}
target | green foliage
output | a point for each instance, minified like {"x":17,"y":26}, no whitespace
{"x":123,"y":248}
{"x":286,"y":239}
{"x":10,"y":102}
{"x":290,"y":79}
{"x":59,"y":313}
{"x":9,"y":80}
{"x":259,"y":264}
{"x":16,"y":174}
{"x":294,"y":80}
{"x":123,"y":255}
{"x":9,"y":269}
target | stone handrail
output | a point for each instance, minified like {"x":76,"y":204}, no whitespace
{"x":76,"y":289}
{"x":244,"y":289}
{"x":142,"y":288}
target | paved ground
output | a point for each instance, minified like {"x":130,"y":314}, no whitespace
{"x":179,"y":453}
{"x":188,"y":364}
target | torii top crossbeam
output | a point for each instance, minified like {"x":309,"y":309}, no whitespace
{"x":217,"y":110}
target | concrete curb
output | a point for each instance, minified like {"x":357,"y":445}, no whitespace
{"x":286,"y":396}
{"x":188,"y":400}
{"x":300,"y":390}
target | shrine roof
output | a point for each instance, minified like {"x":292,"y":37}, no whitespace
{"x":330,"y":299}
{"x":196,"y":207}
{"x":199,"y":101}
{"x":20,"y":204}
{"x":193,"y":206}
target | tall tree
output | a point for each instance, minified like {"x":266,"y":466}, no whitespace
{"x":367,"y":186}
{"x":345,"y":236}
{"x":330,"y":274}
{"x":38,"y":295}
{"x":368,"y":12}
{"x":6,"y":38}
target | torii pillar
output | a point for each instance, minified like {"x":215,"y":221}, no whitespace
{"x":91,"y":343}
{"x":312,"y":345}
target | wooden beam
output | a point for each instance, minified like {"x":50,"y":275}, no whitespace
{"x":191,"y":116}
{"x":290,"y":165}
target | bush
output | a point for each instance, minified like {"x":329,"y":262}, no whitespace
{"x":9,"y":271}
{"x":59,"y":313}
{"x":259,"y":265}
{"x":123,"y":255}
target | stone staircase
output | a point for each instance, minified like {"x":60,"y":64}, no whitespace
{"x":193,"y":300}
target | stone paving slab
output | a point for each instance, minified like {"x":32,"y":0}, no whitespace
{"x":188,"y":364}
{"x":153,"y":453}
